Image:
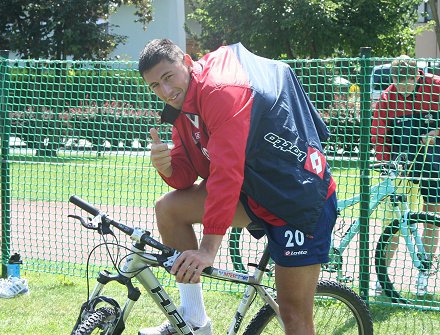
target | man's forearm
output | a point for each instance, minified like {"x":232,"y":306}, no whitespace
{"x":210,"y":244}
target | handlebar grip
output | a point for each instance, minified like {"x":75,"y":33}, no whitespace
{"x":209,"y":270}
{"x":84,"y":205}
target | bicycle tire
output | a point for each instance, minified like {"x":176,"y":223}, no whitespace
{"x":98,"y":320}
{"x":337,"y":310}
{"x":396,"y":276}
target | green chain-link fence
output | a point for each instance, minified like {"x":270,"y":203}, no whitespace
{"x":82,"y":128}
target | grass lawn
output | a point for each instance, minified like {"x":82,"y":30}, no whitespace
{"x":123,"y":179}
{"x":53,"y":304}
{"x":129,"y":180}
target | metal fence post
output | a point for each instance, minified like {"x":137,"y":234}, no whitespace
{"x":5,"y":177}
{"x":364,"y":155}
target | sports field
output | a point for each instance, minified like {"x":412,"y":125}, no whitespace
{"x":54,"y":247}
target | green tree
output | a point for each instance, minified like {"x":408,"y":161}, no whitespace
{"x":55,"y":29}
{"x":314,"y":28}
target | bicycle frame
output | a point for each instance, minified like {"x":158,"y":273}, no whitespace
{"x":137,"y":265}
{"x":401,"y":210}
{"x":110,"y":319}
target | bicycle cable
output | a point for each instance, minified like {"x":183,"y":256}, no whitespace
{"x":117,"y":265}
{"x":104,"y":243}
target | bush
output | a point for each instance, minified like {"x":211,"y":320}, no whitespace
{"x":41,"y":129}
{"x":115,"y":122}
{"x":343,"y":120}
{"x":52,"y":101}
{"x":339,"y":108}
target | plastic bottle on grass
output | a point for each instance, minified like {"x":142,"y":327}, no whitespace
{"x":13,"y":267}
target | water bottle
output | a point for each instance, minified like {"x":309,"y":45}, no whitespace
{"x":13,"y":267}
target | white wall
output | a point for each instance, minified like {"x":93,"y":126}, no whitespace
{"x":168,"y":22}
{"x":426,"y":42}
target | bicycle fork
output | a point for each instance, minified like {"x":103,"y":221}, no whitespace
{"x":416,"y":248}
{"x":116,"y":325}
{"x":251,"y":292}
{"x":136,"y":266}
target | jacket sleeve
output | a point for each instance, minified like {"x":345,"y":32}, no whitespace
{"x":379,"y":131}
{"x":184,"y":174}
{"x":226,"y":112}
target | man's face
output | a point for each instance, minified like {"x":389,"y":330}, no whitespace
{"x":405,"y":85}
{"x":170,"y":81}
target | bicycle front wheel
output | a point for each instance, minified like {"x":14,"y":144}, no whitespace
{"x":97,"y":322}
{"x":399,"y":278}
{"x":337,"y":310}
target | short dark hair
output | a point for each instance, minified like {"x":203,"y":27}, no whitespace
{"x":404,"y":66}
{"x":156,"y":51}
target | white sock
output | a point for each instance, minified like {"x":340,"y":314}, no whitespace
{"x":191,"y":302}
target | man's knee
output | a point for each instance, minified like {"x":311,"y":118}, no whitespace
{"x":163,"y":207}
{"x":180,"y":207}
{"x":296,"y":315}
{"x":294,"y":305}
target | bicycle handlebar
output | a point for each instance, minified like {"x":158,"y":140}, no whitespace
{"x":382,"y":165}
{"x":136,"y":234}
{"x":402,"y":159}
{"x":77,"y":201}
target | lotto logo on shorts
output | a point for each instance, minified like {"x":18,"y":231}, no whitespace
{"x":295,"y":253}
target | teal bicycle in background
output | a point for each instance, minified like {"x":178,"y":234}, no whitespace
{"x":400,"y":257}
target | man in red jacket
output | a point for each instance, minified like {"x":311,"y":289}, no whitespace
{"x":245,"y":127}
{"x":404,"y":119}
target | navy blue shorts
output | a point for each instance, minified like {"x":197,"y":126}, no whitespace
{"x":290,"y":247}
{"x":427,"y":168}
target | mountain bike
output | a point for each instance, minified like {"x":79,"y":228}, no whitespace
{"x":394,"y":270}
{"x":337,"y":309}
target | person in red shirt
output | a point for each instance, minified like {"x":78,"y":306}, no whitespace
{"x":405,"y":118}
{"x":247,"y":148}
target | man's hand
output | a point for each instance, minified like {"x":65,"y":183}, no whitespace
{"x":160,"y":155}
{"x":430,"y":137}
{"x":189,"y":265}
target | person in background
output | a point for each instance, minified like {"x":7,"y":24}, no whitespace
{"x":247,"y":147}
{"x":405,"y":118}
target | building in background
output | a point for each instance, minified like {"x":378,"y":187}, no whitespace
{"x":426,"y":42}
{"x":168,"y":22}
{"x":169,"y":19}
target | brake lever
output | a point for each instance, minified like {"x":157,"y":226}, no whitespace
{"x":169,"y":259}
{"x":89,"y":225}
{"x":96,"y":223}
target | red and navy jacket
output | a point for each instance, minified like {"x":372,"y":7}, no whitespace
{"x":248,"y":127}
